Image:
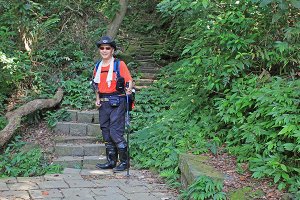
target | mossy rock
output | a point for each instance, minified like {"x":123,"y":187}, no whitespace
{"x":245,"y":193}
{"x":193,"y":166}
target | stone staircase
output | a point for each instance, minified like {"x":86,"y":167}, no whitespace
{"x":78,"y":141}
{"x":148,"y":67}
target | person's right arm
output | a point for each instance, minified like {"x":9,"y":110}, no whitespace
{"x":97,"y":103}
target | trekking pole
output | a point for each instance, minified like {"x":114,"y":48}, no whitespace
{"x":127,"y":123}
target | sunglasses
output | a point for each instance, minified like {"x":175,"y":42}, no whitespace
{"x":106,"y":48}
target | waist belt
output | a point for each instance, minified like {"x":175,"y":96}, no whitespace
{"x":104,"y":99}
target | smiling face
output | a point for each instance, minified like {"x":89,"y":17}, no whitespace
{"x":106,"y":51}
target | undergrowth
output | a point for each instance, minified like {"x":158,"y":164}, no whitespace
{"x":17,"y":161}
{"x":236,"y":84}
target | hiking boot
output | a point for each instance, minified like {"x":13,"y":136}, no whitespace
{"x":111,"y":157}
{"x":123,"y":165}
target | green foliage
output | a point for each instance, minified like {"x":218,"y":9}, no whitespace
{"x":52,"y":117}
{"x":13,"y":72}
{"x":235,"y":83}
{"x":16,"y":162}
{"x":159,"y":120}
{"x":57,"y":46}
{"x":204,"y":188}
{"x":78,"y":93}
{"x":110,"y":8}
{"x":3,"y":122}
{"x":171,"y":176}
{"x":264,"y":121}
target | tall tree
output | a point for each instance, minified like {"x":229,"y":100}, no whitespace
{"x":113,"y":27}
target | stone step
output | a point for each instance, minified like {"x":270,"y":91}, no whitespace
{"x":152,"y":64}
{"x":144,"y":51}
{"x":148,"y":65}
{"x":148,"y":70}
{"x":193,"y":166}
{"x":148,"y":75}
{"x":138,"y":88}
{"x":80,"y":162}
{"x":91,"y":116}
{"x":142,"y":57}
{"x":67,"y":149}
{"x":77,"y":139}
{"x":151,"y":45}
{"x":149,"y":60}
{"x":77,"y":129}
{"x":144,"y":82}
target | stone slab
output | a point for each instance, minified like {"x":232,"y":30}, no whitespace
{"x":76,"y":139}
{"x":42,"y":194}
{"x":80,"y":184}
{"x":3,"y":186}
{"x":164,"y":195}
{"x":93,"y":130}
{"x":71,"y":171}
{"x":69,"y":161}
{"x":75,"y":176}
{"x":12,"y":195}
{"x":23,"y":186}
{"x":148,"y":75}
{"x":62,"y":127}
{"x":107,"y":191}
{"x":8,"y":180}
{"x":56,"y":184}
{"x":113,"y":196}
{"x":30,"y":179}
{"x":78,"y":129}
{"x":193,"y":166}
{"x":94,"y":149}
{"x":85,"y":116}
{"x":108,"y":183}
{"x":144,"y":82}
{"x":144,"y":196}
{"x":69,"y":149}
{"x":134,"y":189}
{"x":95,"y":172}
{"x":73,"y":115}
{"x":78,"y":193}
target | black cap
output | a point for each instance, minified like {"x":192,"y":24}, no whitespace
{"x":106,"y":40}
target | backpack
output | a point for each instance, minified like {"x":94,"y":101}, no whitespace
{"x":120,"y":87}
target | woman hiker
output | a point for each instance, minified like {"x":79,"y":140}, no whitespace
{"x":111,"y":92}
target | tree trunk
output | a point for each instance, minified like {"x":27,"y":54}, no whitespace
{"x":113,"y":27}
{"x":14,"y":117}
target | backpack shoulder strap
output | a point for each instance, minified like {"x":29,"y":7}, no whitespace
{"x":96,"y":68}
{"x":117,"y":67}
{"x":97,"y":65}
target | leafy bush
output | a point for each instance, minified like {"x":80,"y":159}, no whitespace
{"x":78,"y":93}
{"x":16,"y":162}
{"x":226,"y":87}
{"x":168,"y":116}
{"x":52,"y":117}
{"x":3,"y":122}
{"x":204,"y":188}
{"x":264,"y":121}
